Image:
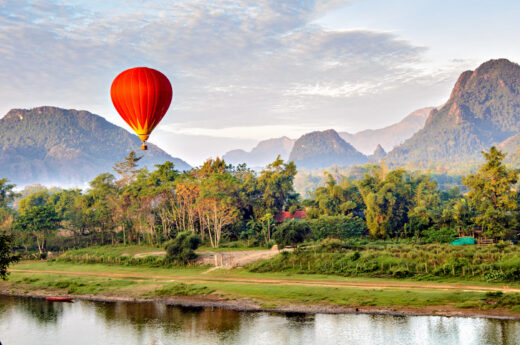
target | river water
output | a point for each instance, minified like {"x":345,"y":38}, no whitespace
{"x":37,"y":322}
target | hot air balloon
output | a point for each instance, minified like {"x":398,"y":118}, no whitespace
{"x":141,"y":96}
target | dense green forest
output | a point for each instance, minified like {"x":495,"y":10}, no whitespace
{"x":217,"y":203}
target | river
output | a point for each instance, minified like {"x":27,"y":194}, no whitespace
{"x":36,"y":322}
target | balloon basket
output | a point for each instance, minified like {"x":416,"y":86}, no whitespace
{"x":144,"y":147}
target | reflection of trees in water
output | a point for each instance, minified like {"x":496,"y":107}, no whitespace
{"x":39,"y":309}
{"x":5,"y":301}
{"x":500,"y":332}
{"x":171,"y":319}
{"x":298,"y":319}
{"x":442,"y":325}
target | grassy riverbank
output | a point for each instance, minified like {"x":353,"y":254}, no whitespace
{"x":247,"y":290}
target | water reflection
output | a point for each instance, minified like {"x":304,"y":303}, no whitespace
{"x":34,"y":321}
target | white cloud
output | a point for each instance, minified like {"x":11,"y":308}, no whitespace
{"x":257,"y":67}
{"x":245,"y":132}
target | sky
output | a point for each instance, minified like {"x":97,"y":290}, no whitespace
{"x":243,"y":71}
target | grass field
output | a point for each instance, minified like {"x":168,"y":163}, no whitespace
{"x":269,"y":290}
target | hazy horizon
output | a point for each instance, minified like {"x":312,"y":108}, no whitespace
{"x":244,"y":71}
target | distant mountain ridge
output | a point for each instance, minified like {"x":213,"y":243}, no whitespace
{"x":483,"y":110}
{"x":323,"y":149}
{"x":263,"y":153}
{"x":388,"y":137}
{"x":52,"y":145}
{"x":367,"y":142}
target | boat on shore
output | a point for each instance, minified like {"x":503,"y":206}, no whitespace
{"x":58,"y":299}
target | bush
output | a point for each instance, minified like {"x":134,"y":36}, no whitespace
{"x":340,"y":227}
{"x":444,"y":235}
{"x":291,"y":233}
{"x":182,"y":248}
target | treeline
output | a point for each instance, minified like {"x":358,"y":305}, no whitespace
{"x":137,"y":206}
{"x":401,"y":204}
{"x":221,"y":202}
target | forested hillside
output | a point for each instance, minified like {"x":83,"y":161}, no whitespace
{"x":483,"y":110}
{"x":53,"y":145}
{"x":323,"y":149}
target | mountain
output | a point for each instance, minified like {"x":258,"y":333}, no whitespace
{"x":57,"y":146}
{"x":483,"y":110}
{"x":378,"y":155}
{"x":388,"y":137}
{"x":511,"y":146}
{"x":262,"y":154}
{"x":324,"y":149}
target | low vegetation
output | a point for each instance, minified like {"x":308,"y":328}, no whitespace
{"x":497,"y":263}
{"x":181,"y":289}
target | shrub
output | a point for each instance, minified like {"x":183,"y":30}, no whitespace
{"x":182,"y":248}
{"x":291,"y":233}
{"x":443,"y":235}
{"x":340,"y":227}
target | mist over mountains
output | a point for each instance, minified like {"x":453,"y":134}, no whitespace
{"x":388,"y":137}
{"x":483,"y":110}
{"x":51,"y":145}
{"x":374,"y":143}
{"x":262,"y":154}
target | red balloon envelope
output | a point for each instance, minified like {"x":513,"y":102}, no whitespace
{"x":141,"y":96}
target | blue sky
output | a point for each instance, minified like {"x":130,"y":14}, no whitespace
{"x":245,"y":70}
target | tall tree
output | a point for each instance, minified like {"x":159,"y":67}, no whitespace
{"x":276,"y":185}
{"x":388,"y":198}
{"x":127,"y":169}
{"x":6,"y":255}
{"x":492,"y":194}
{"x":40,"y":221}
{"x":217,"y":201}
{"x":7,"y":196}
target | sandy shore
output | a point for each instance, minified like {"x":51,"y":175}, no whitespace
{"x":250,"y":306}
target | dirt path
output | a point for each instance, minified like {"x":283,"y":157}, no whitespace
{"x":269,"y":281}
{"x":236,"y":258}
{"x":225,"y":259}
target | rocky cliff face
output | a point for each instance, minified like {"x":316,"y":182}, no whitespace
{"x":483,"y":110}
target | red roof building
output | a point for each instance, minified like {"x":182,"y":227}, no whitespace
{"x":286,"y":216}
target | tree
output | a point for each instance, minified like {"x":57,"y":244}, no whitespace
{"x":388,"y":198}
{"x":217,"y":201}
{"x":276,"y":186}
{"x":7,"y":196}
{"x":6,"y":255}
{"x":267,"y":222}
{"x":492,"y":194}
{"x":127,"y":169}
{"x":380,"y":200}
{"x":40,"y":221}
{"x":337,"y":199}
{"x":182,"y":248}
